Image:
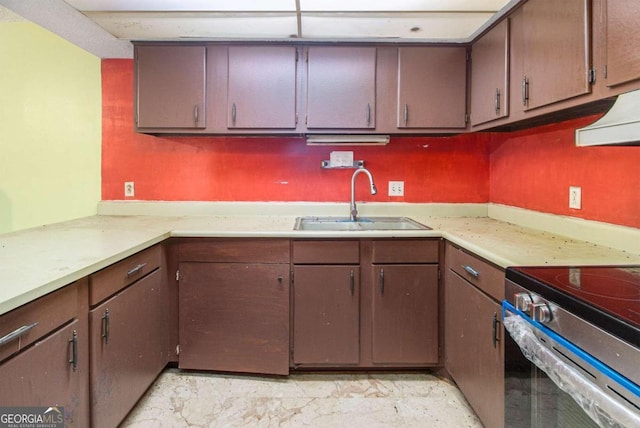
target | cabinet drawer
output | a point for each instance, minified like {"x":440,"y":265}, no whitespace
{"x":405,"y":251}
{"x":244,"y":250}
{"x":114,"y":278}
{"x":326,"y":252}
{"x":49,"y":312}
{"x":478,"y":272}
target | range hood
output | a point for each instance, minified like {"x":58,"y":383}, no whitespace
{"x":619,"y":126}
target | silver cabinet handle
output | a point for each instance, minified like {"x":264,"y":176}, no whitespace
{"x":496,"y":101}
{"x":196,"y":117}
{"x":135,"y":270}
{"x":233,"y":114}
{"x":73,"y":342}
{"x":406,"y":114}
{"x":471,"y":271}
{"x":525,"y":91}
{"x":381,"y":281}
{"x":368,"y":115}
{"x":20,"y":331}
{"x":352,"y":284}
{"x":105,"y":326}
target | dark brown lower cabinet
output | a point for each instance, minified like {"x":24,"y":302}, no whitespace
{"x":365,"y":303}
{"x":326,"y":315}
{"x":474,"y":353}
{"x":127,"y":347}
{"x":234,"y":316}
{"x":45,"y":375}
{"x":405,"y":314}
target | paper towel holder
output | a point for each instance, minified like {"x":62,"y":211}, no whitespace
{"x":325,"y":164}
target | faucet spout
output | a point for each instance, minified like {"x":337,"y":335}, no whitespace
{"x":354,"y":210}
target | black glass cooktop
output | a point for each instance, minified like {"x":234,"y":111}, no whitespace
{"x":608,"y":296}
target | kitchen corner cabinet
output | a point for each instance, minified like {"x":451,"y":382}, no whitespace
{"x":490,"y":75}
{"x":622,"y":62}
{"x":432,"y":87}
{"x":127,"y":334}
{"x":341,"y":87}
{"x":474,"y":350}
{"x":234,"y":305}
{"x":46,"y":363}
{"x":262,"y":87}
{"x":551,"y":52}
{"x":170,"y":86}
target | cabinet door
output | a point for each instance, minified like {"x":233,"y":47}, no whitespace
{"x":556,"y":51}
{"x":170,"y":86}
{"x":474,"y":354}
{"x":622,"y":41}
{"x":127,"y":349}
{"x":341,"y":87}
{"x":405,"y":314}
{"x":326,"y":315}
{"x":262,"y":87}
{"x":52,"y":380}
{"x":490,"y":75}
{"x":234,"y":317}
{"x":432,"y":87}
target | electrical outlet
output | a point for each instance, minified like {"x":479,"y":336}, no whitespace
{"x":129,"y":189}
{"x":575,"y":197}
{"x":396,"y":188}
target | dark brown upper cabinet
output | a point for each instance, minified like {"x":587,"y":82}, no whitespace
{"x":432,"y":85}
{"x":262,"y":87}
{"x":341,"y":87}
{"x":622,"y":63}
{"x":170,"y":87}
{"x":490,"y":75}
{"x":551,"y":52}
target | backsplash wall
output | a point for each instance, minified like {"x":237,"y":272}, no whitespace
{"x":531,"y":169}
{"x":454,"y":169}
{"x":534,"y":168}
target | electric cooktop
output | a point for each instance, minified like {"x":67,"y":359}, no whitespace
{"x":607,"y":296}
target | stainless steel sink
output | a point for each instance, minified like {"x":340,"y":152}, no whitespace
{"x":363,"y":223}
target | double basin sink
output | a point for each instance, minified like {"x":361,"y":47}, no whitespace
{"x":361,"y":224}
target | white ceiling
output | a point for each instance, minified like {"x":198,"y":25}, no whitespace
{"x":113,"y":22}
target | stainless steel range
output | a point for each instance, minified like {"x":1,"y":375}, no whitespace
{"x":572,"y":354}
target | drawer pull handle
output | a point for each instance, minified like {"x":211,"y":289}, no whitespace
{"x":352,"y":283}
{"x":16,"y":333}
{"x":105,"y":326}
{"x":381,"y":281}
{"x":136,"y":270}
{"x":74,"y":350}
{"x":471,"y":271}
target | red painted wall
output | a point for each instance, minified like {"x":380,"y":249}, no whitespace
{"x":531,"y":169}
{"x":454,"y":169}
{"x":534,"y":168}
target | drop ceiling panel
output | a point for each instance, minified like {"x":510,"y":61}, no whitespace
{"x":410,"y":20}
{"x":402,"y":5}
{"x":435,"y":26}
{"x":181,"y":25}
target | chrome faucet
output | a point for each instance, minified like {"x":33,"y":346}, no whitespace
{"x":354,"y":210}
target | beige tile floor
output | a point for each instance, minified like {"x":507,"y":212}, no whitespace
{"x":189,"y":399}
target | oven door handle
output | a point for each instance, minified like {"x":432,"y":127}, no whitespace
{"x":600,"y":406}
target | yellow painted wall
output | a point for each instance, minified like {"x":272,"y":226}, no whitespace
{"x":50,"y":128}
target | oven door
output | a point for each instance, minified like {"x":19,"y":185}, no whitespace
{"x":551,"y":383}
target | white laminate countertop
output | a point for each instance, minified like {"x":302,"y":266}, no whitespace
{"x":36,"y":261}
